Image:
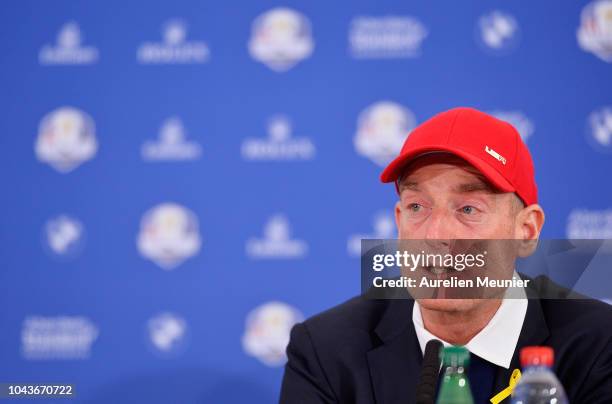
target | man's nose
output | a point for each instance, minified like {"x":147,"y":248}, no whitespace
{"x":439,"y":230}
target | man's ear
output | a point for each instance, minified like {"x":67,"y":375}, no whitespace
{"x":528,"y":226}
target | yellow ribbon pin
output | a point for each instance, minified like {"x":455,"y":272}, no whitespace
{"x":505,"y":393}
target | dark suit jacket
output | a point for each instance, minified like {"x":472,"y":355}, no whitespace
{"x":366,"y":351}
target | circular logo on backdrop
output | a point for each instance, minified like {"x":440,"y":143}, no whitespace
{"x":600,"y":129}
{"x":267,"y":332}
{"x":280,"y":39}
{"x":381,"y":131}
{"x":595,"y":31}
{"x":168,"y":334}
{"x":63,"y":236}
{"x":66,"y":139}
{"x":498,"y":32}
{"x":169,"y":235}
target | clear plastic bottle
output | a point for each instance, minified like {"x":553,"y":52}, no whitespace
{"x":538,"y":383}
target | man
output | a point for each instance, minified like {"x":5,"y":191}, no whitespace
{"x":461,"y":175}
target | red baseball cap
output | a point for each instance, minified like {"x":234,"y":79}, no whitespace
{"x":491,"y":145}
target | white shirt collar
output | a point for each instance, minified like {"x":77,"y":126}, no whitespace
{"x":497,"y":341}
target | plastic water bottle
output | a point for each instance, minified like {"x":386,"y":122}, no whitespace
{"x":455,"y":387}
{"x":538,"y":384}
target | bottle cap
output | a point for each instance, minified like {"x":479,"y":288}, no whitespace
{"x":537,"y":356}
{"x":455,"y":356}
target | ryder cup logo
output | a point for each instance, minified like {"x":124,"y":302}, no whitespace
{"x":381,"y":131}
{"x":66,"y":138}
{"x":171,"y":145}
{"x":175,"y":49}
{"x":280,"y":39}
{"x":600,"y":129}
{"x":279,"y":145}
{"x":57,"y":337}
{"x":169,"y":235}
{"x":523,"y":125}
{"x":277,"y":242}
{"x":267,"y":332}
{"x":595,"y":31}
{"x":386,"y":37}
{"x":498,"y":32}
{"x":63,"y":236}
{"x":68,"y":50}
{"x":168,"y":334}
{"x":384,"y":228}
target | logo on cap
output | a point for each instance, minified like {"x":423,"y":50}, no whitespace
{"x":495,"y":154}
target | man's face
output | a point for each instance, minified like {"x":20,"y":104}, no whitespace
{"x":442,"y":197}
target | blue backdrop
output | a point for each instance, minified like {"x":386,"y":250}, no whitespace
{"x":179,"y":177}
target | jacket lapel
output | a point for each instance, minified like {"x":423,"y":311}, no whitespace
{"x":395,"y":364}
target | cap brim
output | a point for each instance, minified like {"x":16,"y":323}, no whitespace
{"x":392,"y":172}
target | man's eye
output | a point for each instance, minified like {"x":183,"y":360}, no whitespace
{"x":468,"y":210}
{"x":415,"y":207}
